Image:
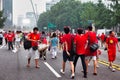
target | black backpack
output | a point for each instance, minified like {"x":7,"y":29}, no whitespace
{"x":27,"y":44}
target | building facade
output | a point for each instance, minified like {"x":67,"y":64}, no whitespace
{"x":7,"y":6}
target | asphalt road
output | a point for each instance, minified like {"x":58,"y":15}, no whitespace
{"x":13,"y":67}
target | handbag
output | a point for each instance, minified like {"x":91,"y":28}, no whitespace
{"x":94,"y":47}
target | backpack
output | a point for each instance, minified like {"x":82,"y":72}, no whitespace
{"x":27,"y":44}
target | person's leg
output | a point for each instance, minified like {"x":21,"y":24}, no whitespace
{"x":95,"y":65}
{"x":83,"y":65}
{"x":72,"y":68}
{"x":64,"y":61}
{"x":11,"y":44}
{"x":28,"y":64}
{"x":87,"y":62}
{"x":8,"y":45}
{"x":36,"y":57}
{"x":63,"y":66}
{"x":53,"y":53}
{"x":44,"y":54}
{"x":37,"y":63}
{"x":75,"y":61}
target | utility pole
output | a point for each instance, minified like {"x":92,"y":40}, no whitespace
{"x":34,"y":11}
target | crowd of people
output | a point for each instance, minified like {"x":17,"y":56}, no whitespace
{"x":82,"y":44}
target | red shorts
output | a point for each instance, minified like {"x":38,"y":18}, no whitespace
{"x":111,"y":55}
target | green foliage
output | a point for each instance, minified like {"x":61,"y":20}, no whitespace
{"x":76,"y":14}
{"x":2,"y":19}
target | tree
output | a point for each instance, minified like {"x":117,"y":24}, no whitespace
{"x":116,"y":12}
{"x":2,"y":19}
{"x":76,"y":14}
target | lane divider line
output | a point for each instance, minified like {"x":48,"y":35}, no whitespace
{"x":51,"y":69}
{"x":117,"y":67}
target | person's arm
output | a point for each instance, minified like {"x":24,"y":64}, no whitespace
{"x":118,"y":47}
{"x":66,"y":47}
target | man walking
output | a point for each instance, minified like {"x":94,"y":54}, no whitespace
{"x":111,"y":43}
{"x":34,"y":38}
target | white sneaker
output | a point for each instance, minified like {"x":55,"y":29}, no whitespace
{"x":72,"y":76}
{"x":88,"y":64}
{"x":110,"y":67}
{"x":113,"y":70}
{"x":97,"y":66}
{"x":62,"y":71}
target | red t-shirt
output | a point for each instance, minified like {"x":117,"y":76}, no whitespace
{"x":91,"y":36}
{"x":44,"y":41}
{"x":5,"y":35}
{"x":34,"y":36}
{"x":67,"y":38}
{"x":102,"y":37}
{"x":112,"y":42}
{"x":10,"y":37}
{"x":80,"y":41}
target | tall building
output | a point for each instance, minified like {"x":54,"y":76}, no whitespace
{"x":32,"y":19}
{"x":20,"y":20}
{"x":8,"y":11}
{"x":0,"y":4}
{"x":50,"y":4}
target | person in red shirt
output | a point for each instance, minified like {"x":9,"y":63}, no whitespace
{"x":67,"y":54}
{"x":34,"y":38}
{"x":80,"y":41}
{"x":10,"y":39}
{"x":102,"y":38}
{"x":92,"y":38}
{"x":111,"y":43}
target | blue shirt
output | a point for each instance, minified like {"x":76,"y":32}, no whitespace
{"x":54,"y":41}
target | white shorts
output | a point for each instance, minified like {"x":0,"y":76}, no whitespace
{"x":90,"y":58}
{"x":34,"y":54}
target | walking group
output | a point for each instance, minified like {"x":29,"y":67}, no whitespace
{"x":83,"y":44}
{"x":11,"y":40}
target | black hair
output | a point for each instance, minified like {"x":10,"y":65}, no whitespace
{"x":80,"y":30}
{"x":35,"y":28}
{"x":110,"y":32}
{"x":9,"y":31}
{"x":43,"y":32}
{"x":66,"y":30}
{"x":54,"y":35}
{"x":90,"y":28}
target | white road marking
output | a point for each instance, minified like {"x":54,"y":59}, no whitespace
{"x":54,"y":72}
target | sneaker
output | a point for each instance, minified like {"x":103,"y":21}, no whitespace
{"x":72,"y":76}
{"x":110,"y":67}
{"x":27,"y":65}
{"x":85,"y":76}
{"x":97,"y":66}
{"x":95,"y":74}
{"x":62,"y":71}
{"x":44,"y":58}
{"x":113,"y":70}
{"x":37,"y":67}
{"x":88,"y":64}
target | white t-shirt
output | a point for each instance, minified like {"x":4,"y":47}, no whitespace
{"x":17,"y":37}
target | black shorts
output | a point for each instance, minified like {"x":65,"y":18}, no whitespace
{"x":66,"y":57}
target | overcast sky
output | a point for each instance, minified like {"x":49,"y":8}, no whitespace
{"x":20,"y":7}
